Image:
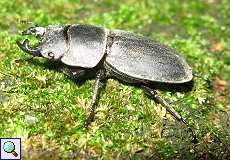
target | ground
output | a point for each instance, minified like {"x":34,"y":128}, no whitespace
{"x":47,"y":109}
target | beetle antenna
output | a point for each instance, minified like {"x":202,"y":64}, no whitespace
{"x":22,"y":21}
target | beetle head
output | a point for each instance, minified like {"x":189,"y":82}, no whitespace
{"x":52,"y":42}
{"x":37,"y":31}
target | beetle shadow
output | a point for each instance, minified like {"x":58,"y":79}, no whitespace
{"x":57,"y":66}
{"x":180,"y":87}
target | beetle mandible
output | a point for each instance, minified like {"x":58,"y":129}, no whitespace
{"x":91,"y":50}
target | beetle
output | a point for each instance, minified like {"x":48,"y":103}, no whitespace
{"x":92,"y":50}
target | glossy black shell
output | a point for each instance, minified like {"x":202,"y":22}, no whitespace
{"x":144,"y":59}
{"x":123,"y":53}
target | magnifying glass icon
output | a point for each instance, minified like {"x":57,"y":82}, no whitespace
{"x":9,"y":147}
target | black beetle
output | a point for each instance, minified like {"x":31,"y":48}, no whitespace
{"x":87,"y":49}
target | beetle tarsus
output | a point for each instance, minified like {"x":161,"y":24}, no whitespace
{"x":194,"y":140}
{"x":96,"y":91}
{"x":161,"y":101}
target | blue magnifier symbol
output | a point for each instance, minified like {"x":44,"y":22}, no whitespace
{"x":9,"y":147}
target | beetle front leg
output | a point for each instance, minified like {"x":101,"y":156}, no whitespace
{"x":95,"y":95}
{"x":158,"y":99}
{"x":75,"y":73}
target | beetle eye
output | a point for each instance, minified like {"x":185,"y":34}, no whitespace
{"x":51,"y":55}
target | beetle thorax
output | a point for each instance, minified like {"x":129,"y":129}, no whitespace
{"x":54,"y":43}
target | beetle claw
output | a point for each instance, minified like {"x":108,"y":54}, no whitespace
{"x":25,"y":46}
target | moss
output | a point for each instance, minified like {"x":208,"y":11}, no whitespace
{"x":128,"y":124}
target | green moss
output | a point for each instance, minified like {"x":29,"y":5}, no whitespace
{"x":128,"y":124}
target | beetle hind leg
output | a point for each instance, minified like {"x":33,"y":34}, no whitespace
{"x":158,"y":99}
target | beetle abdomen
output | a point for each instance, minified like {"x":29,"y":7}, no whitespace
{"x":144,"y":59}
{"x":86,"y":45}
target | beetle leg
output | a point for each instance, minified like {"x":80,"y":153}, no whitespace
{"x":161,"y":101}
{"x":96,"y":91}
{"x":74,"y":73}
